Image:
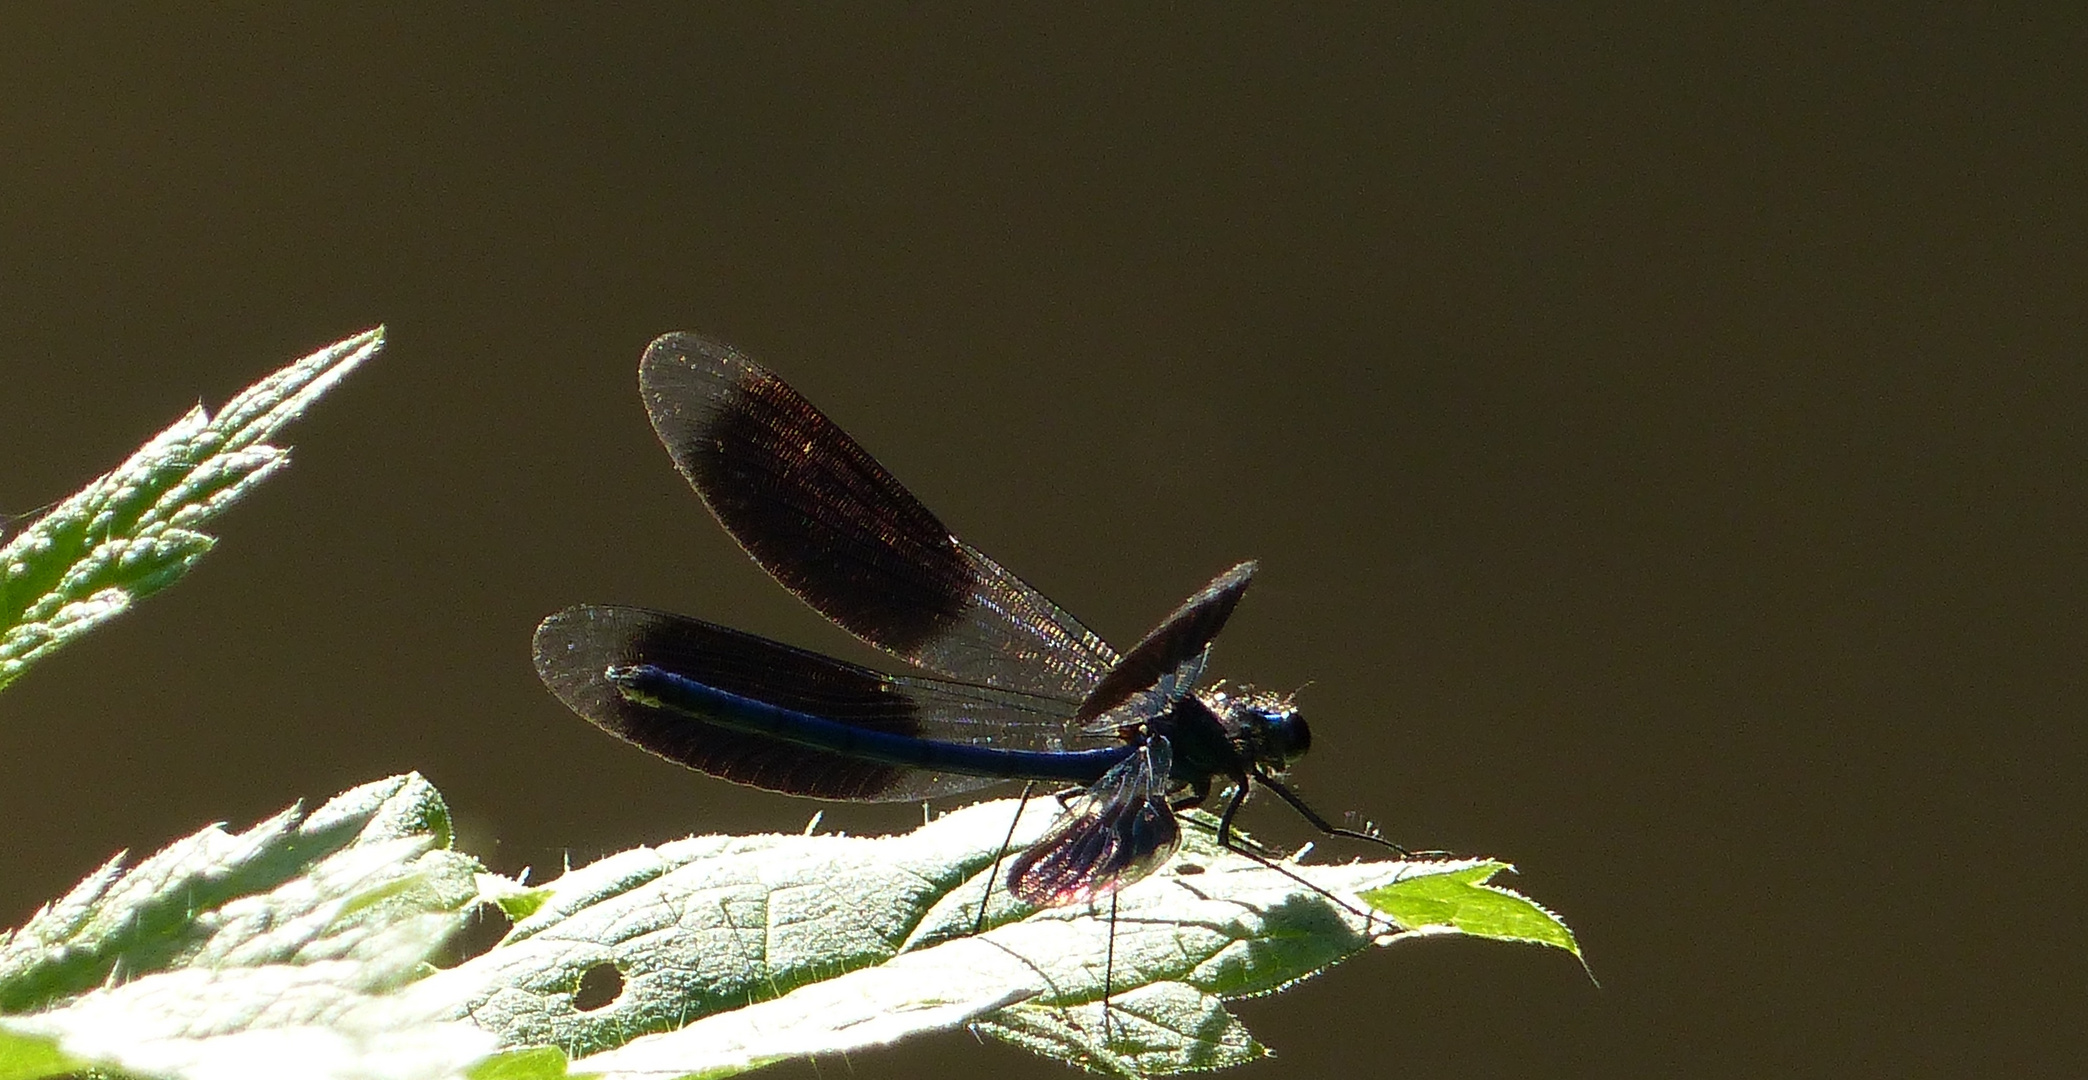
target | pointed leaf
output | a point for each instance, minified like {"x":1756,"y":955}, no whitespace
{"x":269,"y":952}
{"x":136,"y":529}
{"x":1464,"y":902}
{"x":734,"y":952}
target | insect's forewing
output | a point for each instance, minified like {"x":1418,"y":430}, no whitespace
{"x":575,"y":647}
{"x":829,"y":523}
{"x":1166,"y":665}
{"x":1117,"y":832}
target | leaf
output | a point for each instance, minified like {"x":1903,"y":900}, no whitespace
{"x":1462,"y":901}
{"x":136,"y":530}
{"x":25,"y":1057}
{"x":735,"y":952}
{"x":535,"y":1063}
{"x":300,"y":946}
{"x":272,"y":952}
{"x":514,"y":899}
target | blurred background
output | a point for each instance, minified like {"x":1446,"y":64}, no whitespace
{"x":1660,"y":433}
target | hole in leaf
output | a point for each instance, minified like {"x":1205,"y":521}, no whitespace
{"x":601,"y":985}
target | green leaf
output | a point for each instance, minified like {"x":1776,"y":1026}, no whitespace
{"x":275,"y":951}
{"x":26,"y":1057}
{"x":301,"y":946}
{"x":535,"y":1063}
{"x":735,"y":952}
{"x":136,"y":530}
{"x":514,"y":899}
{"x":1462,"y":901}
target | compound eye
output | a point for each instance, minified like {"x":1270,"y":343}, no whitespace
{"x":1284,"y":736}
{"x":1293,"y":738}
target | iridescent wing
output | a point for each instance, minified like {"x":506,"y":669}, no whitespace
{"x":1117,"y":832}
{"x":1165,"y":666}
{"x":832,"y":526}
{"x":574,"y":648}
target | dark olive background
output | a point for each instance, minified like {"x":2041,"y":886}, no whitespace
{"x":1660,"y":433}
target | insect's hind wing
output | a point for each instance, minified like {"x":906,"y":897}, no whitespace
{"x":1117,"y":832}
{"x":576,"y":647}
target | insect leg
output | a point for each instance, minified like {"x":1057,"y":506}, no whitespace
{"x":1109,"y":968}
{"x":1325,"y":826}
{"x":1002,"y":853}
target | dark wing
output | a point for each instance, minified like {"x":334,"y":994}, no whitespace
{"x":576,"y":646}
{"x":1165,"y":666}
{"x":829,"y":523}
{"x":1119,"y":831}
